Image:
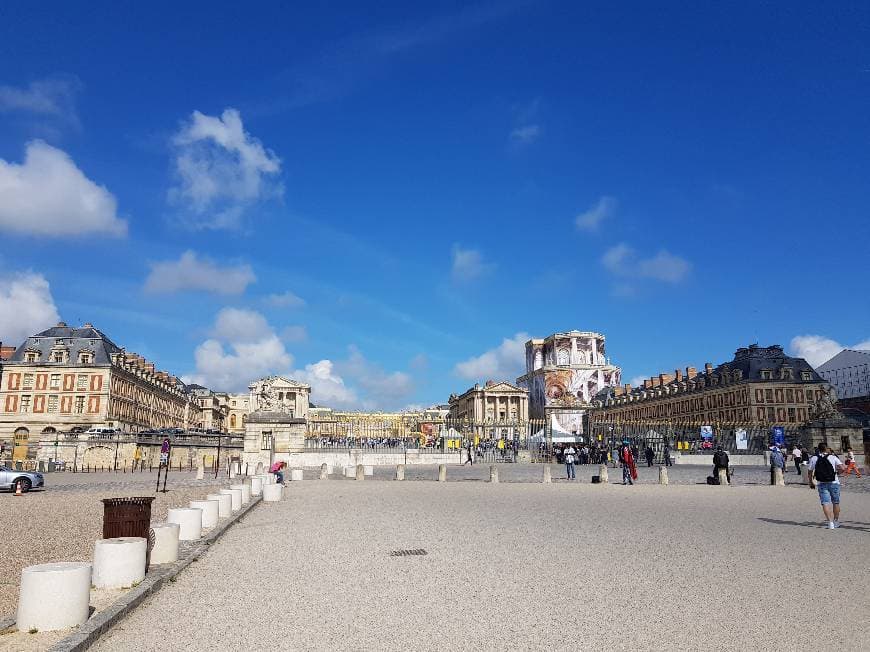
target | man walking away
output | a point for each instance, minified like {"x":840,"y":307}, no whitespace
{"x":667,"y":455}
{"x":470,"y":453}
{"x":650,"y":455}
{"x":796,"y":454}
{"x":721,"y":461}
{"x":777,"y":460}
{"x":824,"y":468}
{"x":569,"y":461}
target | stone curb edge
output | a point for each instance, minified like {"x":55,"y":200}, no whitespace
{"x":102,"y":622}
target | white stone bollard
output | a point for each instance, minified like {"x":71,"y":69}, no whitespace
{"x":200,"y":473}
{"x":442,"y":473}
{"x":225,"y":504}
{"x":246,"y":492}
{"x":350,"y":471}
{"x":602,"y":474}
{"x":360,"y":472}
{"x":259,"y":469}
{"x":190,"y":521}
{"x":329,"y":469}
{"x":369,"y":470}
{"x":548,"y":478}
{"x":778,"y":479}
{"x":722,"y":475}
{"x":272,"y":493}
{"x":210,"y":511}
{"x":663,"y":475}
{"x":400,"y":472}
{"x":54,"y":596}
{"x":165,"y":550}
{"x":256,"y":486}
{"x":493,"y":474}
{"x":271,"y":478}
{"x":324,"y":471}
{"x":296,"y":475}
{"x":119,"y":563}
{"x":232,"y":471}
{"x":236,"y":497}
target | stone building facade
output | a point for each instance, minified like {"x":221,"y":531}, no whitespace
{"x":214,"y":408}
{"x":761,"y":385}
{"x":564,"y":372}
{"x":240,"y":407}
{"x":65,"y":378}
{"x":276,"y":424}
{"x":498,"y":410}
{"x":848,"y":372}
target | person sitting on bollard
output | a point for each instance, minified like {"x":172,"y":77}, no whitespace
{"x":276,"y":468}
{"x":721,"y":461}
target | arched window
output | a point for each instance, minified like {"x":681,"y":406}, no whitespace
{"x":232,"y":421}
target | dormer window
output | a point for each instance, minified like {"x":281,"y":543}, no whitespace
{"x":786,"y":373}
{"x":31,"y":356}
{"x":806,"y":375}
{"x":60,"y":355}
{"x":766,"y":374}
{"x":86,"y":357}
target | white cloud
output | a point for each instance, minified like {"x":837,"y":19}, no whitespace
{"x":817,"y":349}
{"x":26,"y":307}
{"x":294,"y":334}
{"x":468,"y":264}
{"x":285,"y":300}
{"x":637,"y":381}
{"x":243,"y":348}
{"x":54,"y":97}
{"x":192,"y":273}
{"x":327,"y":387}
{"x":505,"y":362}
{"x":47,"y":195}
{"x":590,"y":219}
{"x":221,"y":170}
{"x":526,"y":134}
{"x":382,"y":389}
{"x":623,"y":261}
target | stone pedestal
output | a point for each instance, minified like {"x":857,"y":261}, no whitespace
{"x":119,"y":563}
{"x":663,"y":475}
{"x":54,"y":596}
{"x":256,"y":486}
{"x":246,"y":492}
{"x":493,"y":474}
{"x":723,"y":478}
{"x":235,"y":498}
{"x":360,"y":472}
{"x":200,"y":473}
{"x":225,"y":504}
{"x":778,"y":480}
{"x":210,"y":511}
{"x":286,"y":433}
{"x":272,"y":493}
{"x":602,"y":474}
{"x":189,"y":520}
{"x":324,"y":471}
{"x":400,"y":472}
{"x":165,"y":550}
{"x":547,"y":477}
{"x":296,"y":475}
{"x":442,"y":473}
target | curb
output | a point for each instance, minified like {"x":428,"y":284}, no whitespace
{"x":87,"y":634}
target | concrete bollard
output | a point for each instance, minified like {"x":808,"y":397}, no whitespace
{"x":54,"y":596}
{"x":190,"y":521}
{"x":369,"y":470}
{"x":442,"y":473}
{"x":119,"y":563}
{"x":493,"y":474}
{"x":232,"y":471}
{"x":350,"y":472}
{"x":272,"y":493}
{"x":256,"y":486}
{"x":271,"y":478}
{"x":246,"y":492}
{"x":324,"y":471}
{"x":400,"y":471}
{"x":723,"y":477}
{"x":778,"y":479}
{"x":360,"y":472}
{"x":258,"y":470}
{"x":165,"y":550}
{"x":602,"y":474}
{"x":225,"y":504}
{"x":663,"y":475}
{"x":210,"y":511}
{"x":805,"y":473}
{"x":547,"y":478}
{"x":200,"y":473}
{"x":329,"y":469}
{"x":296,"y":475}
{"x":235,"y":496}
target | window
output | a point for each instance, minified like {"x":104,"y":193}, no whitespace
{"x":52,"y":403}
{"x":28,"y":382}
{"x":81,"y":382}
{"x":806,"y":375}
{"x":31,"y":356}
{"x":765,"y":374}
{"x":771,"y":414}
{"x":80,"y":405}
{"x":86,"y":357}
{"x":791,"y":415}
{"x":57,"y":356}
{"x":25,"y":403}
{"x":55,"y":381}
{"x":789,"y":395}
{"x":266,"y":445}
{"x":768,"y":395}
{"x":799,"y":396}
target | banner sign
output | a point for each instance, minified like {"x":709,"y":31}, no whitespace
{"x":778,"y":435}
{"x":706,"y":432}
{"x":742,"y":439}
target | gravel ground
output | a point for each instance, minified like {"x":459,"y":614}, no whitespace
{"x":521,"y":566}
{"x":62,"y":525}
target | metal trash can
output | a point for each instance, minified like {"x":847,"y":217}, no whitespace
{"x":127,"y":517}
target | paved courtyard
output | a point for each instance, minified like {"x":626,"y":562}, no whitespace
{"x":521,"y":566}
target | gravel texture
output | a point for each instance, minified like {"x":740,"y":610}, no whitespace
{"x":521,"y":566}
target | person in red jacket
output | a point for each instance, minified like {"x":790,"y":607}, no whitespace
{"x":629,"y":470}
{"x":277,"y":468}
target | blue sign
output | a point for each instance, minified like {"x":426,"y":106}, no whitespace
{"x":706,"y":432}
{"x":778,"y":435}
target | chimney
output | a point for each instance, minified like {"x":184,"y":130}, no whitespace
{"x":647,"y":383}
{"x":627,"y":387}
{"x":708,"y":368}
{"x":691,"y":372}
{"x":664,"y":379}
{"x":678,"y":374}
{"x":618,"y":391}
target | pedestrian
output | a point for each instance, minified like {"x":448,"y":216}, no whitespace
{"x":650,"y":455}
{"x":824,"y":468}
{"x":777,"y":461}
{"x":470,"y":454}
{"x":667,"y":454}
{"x":629,"y":470}
{"x":798,"y":456}
{"x":851,"y":464}
{"x":276,"y":468}
{"x":721,"y":461}
{"x":568,"y":455}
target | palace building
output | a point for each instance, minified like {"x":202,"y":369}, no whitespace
{"x":760,"y":386}
{"x":65,"y":378}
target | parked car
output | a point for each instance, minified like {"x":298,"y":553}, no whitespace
{"x":28,"y":479}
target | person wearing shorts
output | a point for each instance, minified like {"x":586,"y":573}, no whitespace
{"x":825,"y":469}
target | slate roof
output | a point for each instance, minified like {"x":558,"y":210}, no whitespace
{"x":75,"y":340}
{"x":846,"y":358}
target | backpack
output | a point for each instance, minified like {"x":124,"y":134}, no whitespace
{"x":824,"y":471}
{"x":719,"y":459}
{"x":776,"y":459}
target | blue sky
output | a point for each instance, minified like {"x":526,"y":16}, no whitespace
{"x":387,"y":200}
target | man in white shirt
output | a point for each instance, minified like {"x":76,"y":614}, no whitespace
{"x":796,"y":455}
{"x":824,"y":469}
{"x":569,"y":454}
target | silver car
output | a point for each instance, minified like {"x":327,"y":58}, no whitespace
{"x":28,"y":479}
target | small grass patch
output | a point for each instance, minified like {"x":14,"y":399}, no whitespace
{"x":32,"y":630}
